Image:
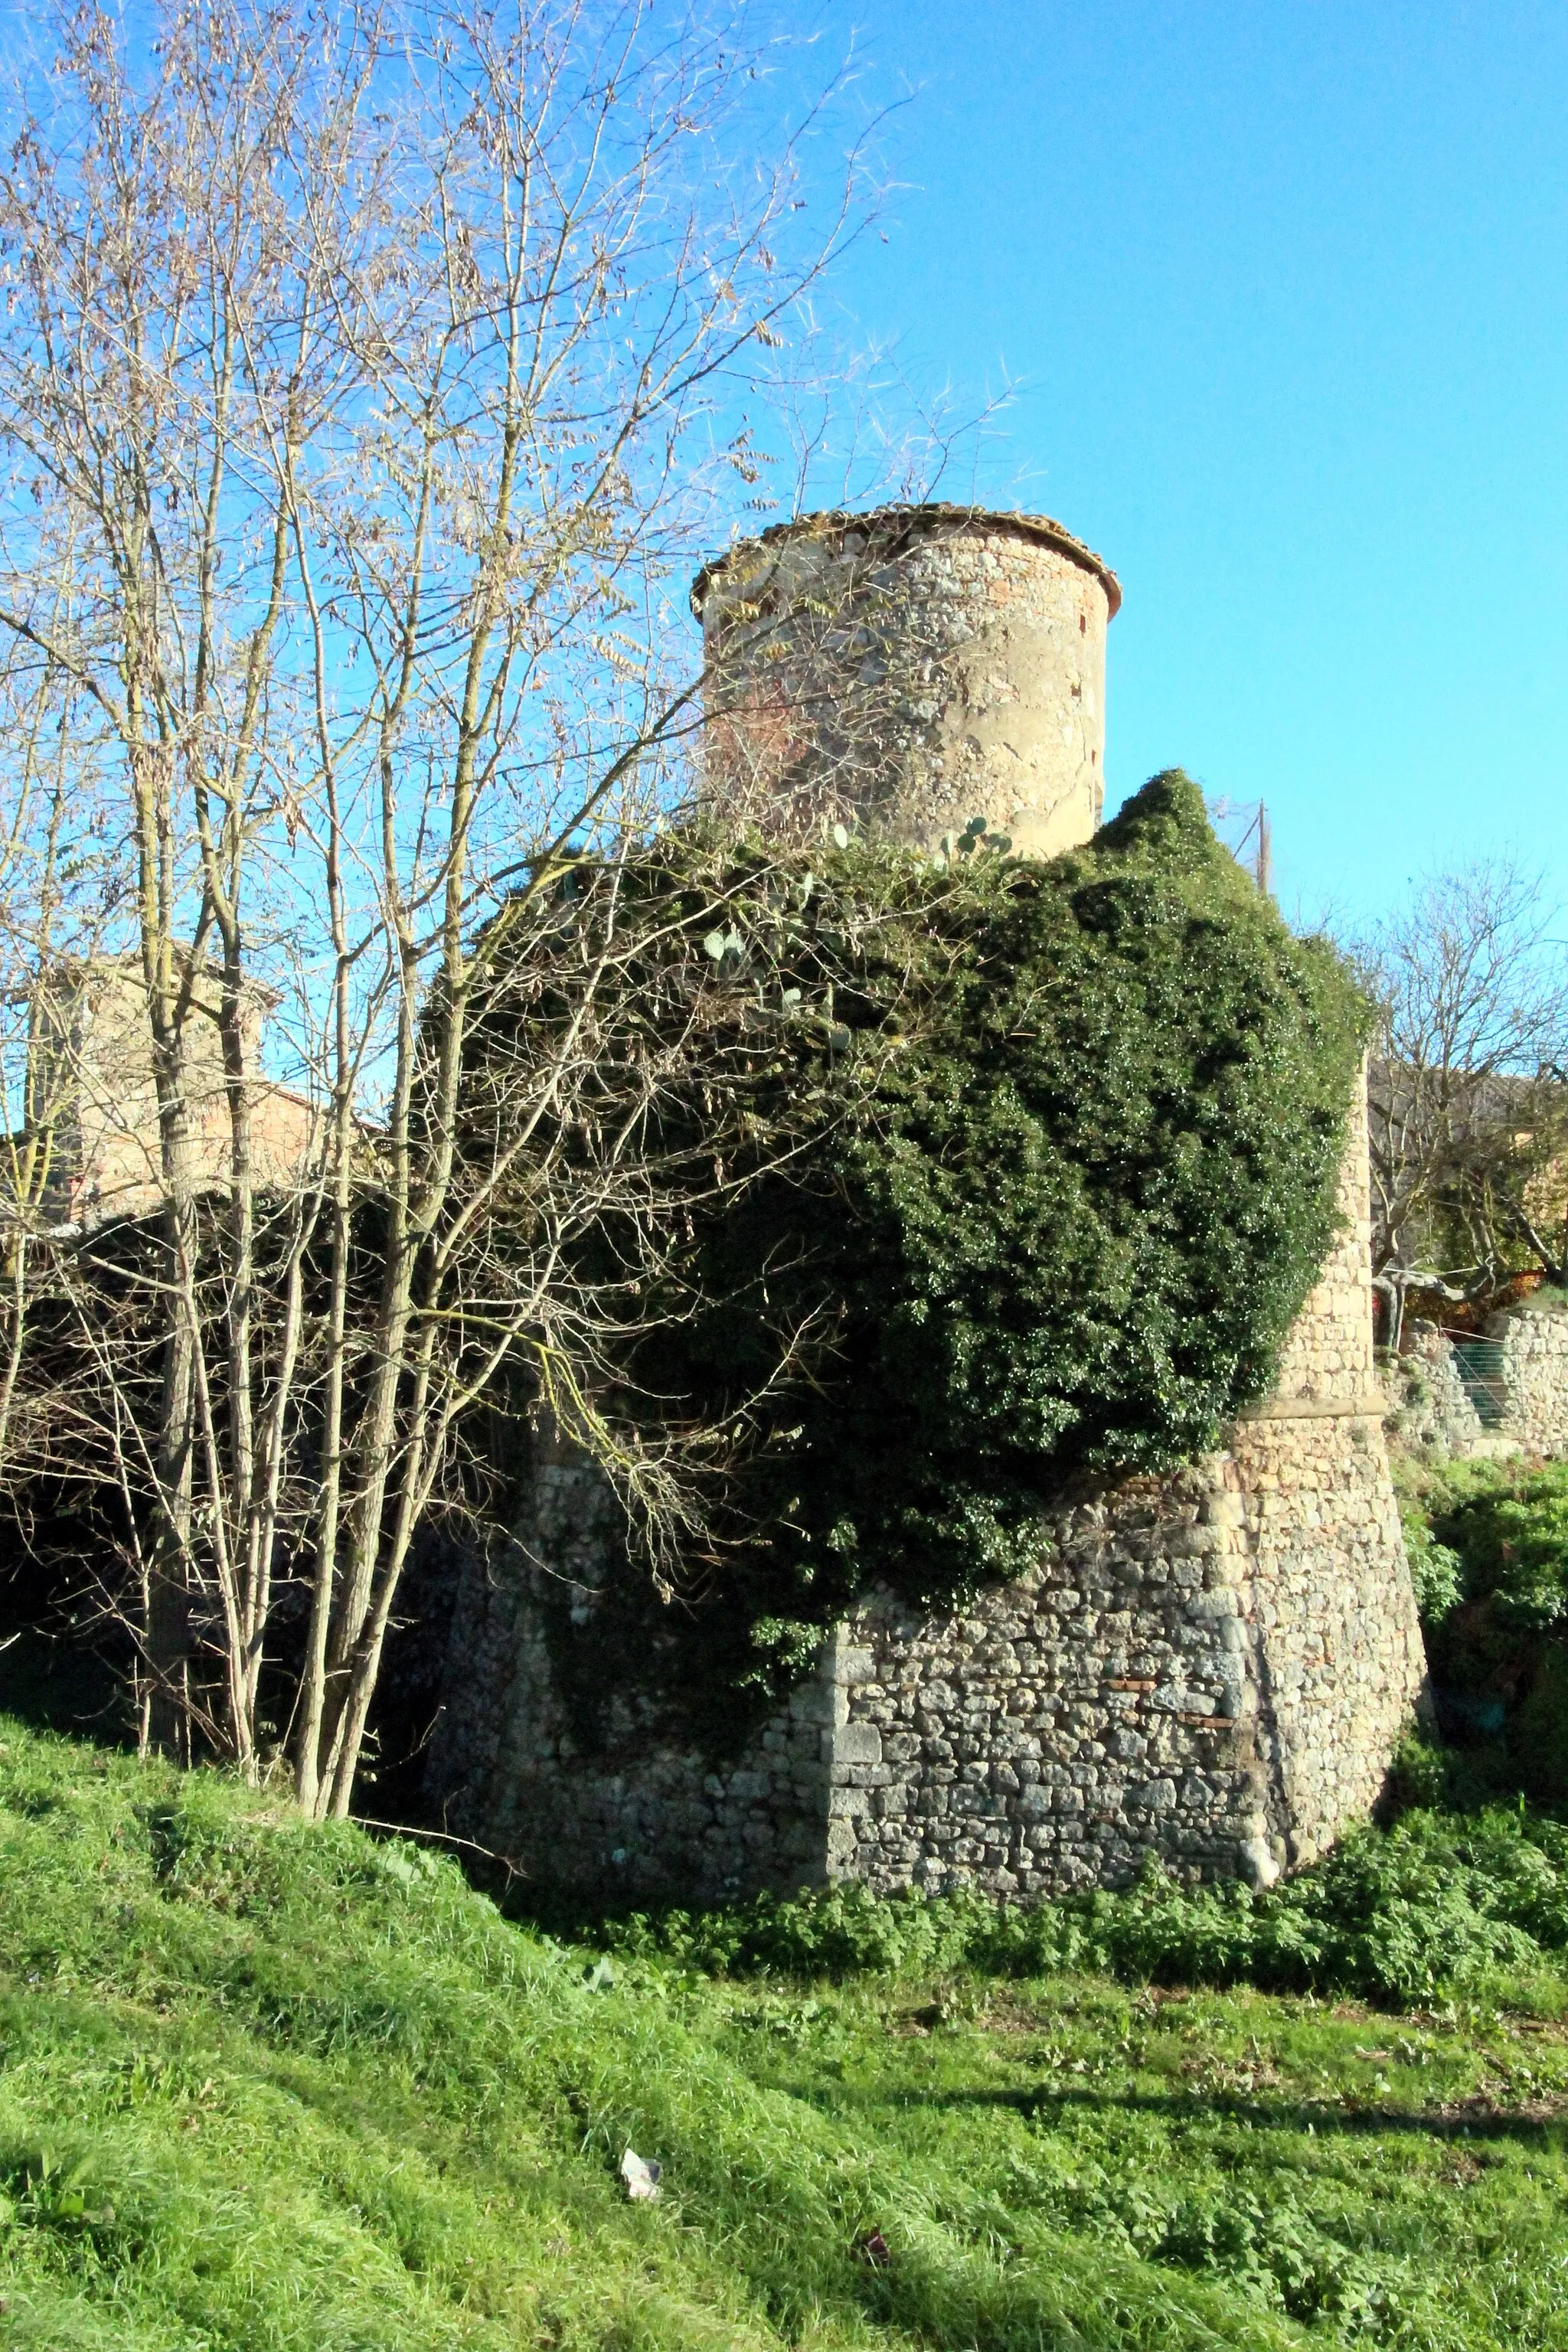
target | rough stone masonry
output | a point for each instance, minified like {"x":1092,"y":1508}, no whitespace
{"x":1212,"y":1667}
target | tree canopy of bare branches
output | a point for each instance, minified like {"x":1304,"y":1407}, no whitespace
{"x":370,"y":378}
{"x":1469,"y":1087}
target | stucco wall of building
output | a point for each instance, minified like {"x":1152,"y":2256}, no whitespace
{"x":98,"y":1086}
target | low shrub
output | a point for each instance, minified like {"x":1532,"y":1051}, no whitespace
{"x":1511,"y":1534}
{"x":1437,"y":1570}
{"x":1488,"y":1543}
{"x":1394,"y":1916}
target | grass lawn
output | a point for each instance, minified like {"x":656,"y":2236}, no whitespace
{"x":1397,"y":2179}
{"x":269,"y":2086}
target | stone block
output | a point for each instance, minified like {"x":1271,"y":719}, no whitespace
{"x":858,"y":1743}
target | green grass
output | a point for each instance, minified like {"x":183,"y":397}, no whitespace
{"x":267,"y":2086}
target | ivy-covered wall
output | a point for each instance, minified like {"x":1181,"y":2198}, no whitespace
{"x":1094,"y":1455}
{"x":1028,"y":1168}
{"x":1066,"y":1226}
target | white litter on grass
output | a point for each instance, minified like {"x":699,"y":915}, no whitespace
{"x":641,"y":2176}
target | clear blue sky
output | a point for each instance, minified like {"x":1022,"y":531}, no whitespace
{"x":1284,"y":284}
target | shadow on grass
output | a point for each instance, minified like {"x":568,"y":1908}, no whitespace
{"x":1460,"y":2119}
{"x":52,"y":1684}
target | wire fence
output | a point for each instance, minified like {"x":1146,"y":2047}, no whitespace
{"x":1480,"y":1363}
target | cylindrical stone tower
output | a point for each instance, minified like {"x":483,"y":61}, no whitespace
{"x":915,"y":668}
{"x":1212,"y":1667}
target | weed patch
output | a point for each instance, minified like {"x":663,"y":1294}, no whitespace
{"x":1392,"y":1916}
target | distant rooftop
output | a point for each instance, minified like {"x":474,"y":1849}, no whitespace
{"x":893,"y":520}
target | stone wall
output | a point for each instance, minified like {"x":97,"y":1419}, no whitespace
{"x":600,"y":1800}
{"x":1199,"y":1673}
{"x":1535,"y":1378}
{"x":1212,"y":1667}
{"x":1432,"y":1406}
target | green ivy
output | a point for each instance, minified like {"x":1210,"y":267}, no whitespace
{"x":1064,"y":1230}
{"x":1023,"y":1172}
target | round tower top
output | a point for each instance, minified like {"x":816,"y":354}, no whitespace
{"x":887,"y":530}
{"x":913,"y":669}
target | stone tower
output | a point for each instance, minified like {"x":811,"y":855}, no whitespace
{"x":96,"y":1082}
{"x":1212,"y":1667}
{"x":913,"y":669}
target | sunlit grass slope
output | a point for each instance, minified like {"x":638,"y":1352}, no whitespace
{"x":269,"y":2086}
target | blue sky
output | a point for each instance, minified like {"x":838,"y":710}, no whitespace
{"x":1284,"y":291}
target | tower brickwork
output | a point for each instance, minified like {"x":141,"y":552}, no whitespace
{"x":910,"y":669}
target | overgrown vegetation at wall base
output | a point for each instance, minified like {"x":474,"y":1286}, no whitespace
{"x":271,"y":2087}
{"x":1434,"y":1905}
{"x":1488,"y":1547}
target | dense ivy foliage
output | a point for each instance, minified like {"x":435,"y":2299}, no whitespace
{"x":1011,"y":1173}
{"x":1066,"y":1226}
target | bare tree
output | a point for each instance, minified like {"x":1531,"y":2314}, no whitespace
{"x":371,"y":375}
{"x":1468,"y":1104}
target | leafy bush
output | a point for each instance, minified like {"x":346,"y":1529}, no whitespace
{"x":1062,"y":1141}
{"x":1394,"y":1916}
{"x":1489,"y":1552}
{"x":1512,"y":1536}
{"x":1436,"y":1571}
{"x":1502,"y":1524}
